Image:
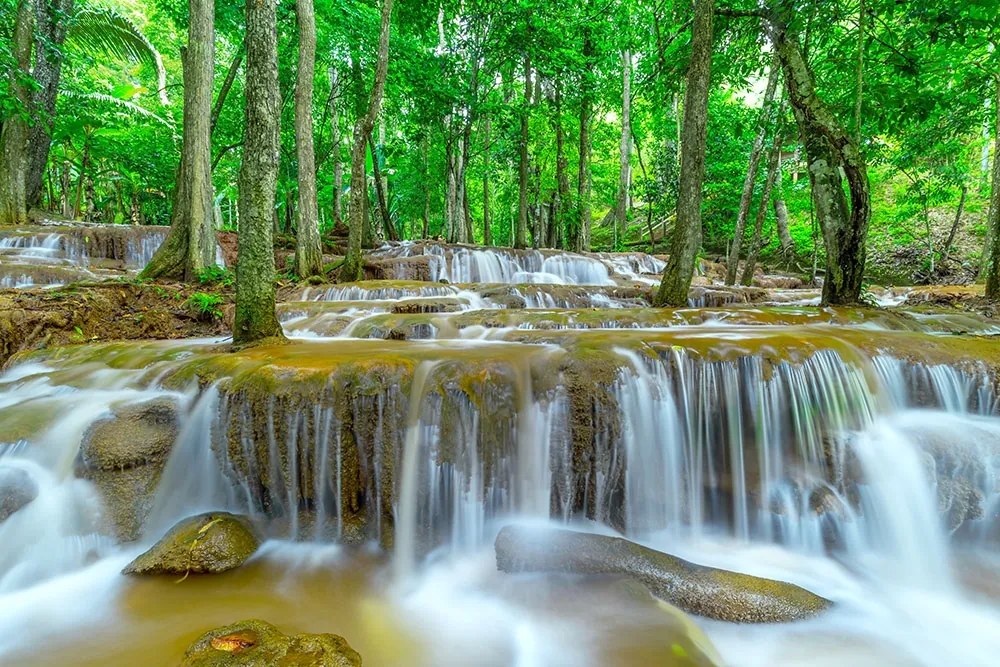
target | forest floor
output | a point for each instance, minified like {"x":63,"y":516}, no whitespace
{"x":108,"y":310}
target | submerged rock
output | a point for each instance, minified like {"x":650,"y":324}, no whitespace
{"x":17,"y":489}
{"x":203,"y":544}
{"x":124,"y":455}
{"x":697,"y":589}
{"x":256,"y":643}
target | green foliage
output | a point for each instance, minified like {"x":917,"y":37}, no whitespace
{"x":205,"y":306}
{"x":216,"y":275}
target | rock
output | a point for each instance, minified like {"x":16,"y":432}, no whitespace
{"x":135,"y":434}
{"x":256,"y":643}
{"x":17,"y":489}
{"x":204,"y":544}
{"x":124,"y":455}
{"x":700,"y":590}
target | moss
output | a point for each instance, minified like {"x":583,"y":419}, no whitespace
{"x":204,"y":544}
{"x":255,"y":643}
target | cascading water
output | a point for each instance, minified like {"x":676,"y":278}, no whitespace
{"x":785,"y":442}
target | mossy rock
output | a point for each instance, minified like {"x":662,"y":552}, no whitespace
{"x":696,"y":589}
{"x":17,"y":489}
{"x":134,"y":434}
{"x":124,"y":454}
{"x":204,"y":544}
{"x":255,"y":643}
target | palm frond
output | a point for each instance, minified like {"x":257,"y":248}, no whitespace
{"x":105,"y":31}
{"x":125,"y":106}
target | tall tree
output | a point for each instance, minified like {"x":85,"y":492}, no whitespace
{"x":255,"y":317}
{"x":756,"y":151}
{"x":15,"y":129}
{"x":993,"y":220}
{"x":521,"y":231}
{"x":52,"y":18}
{"x":686,"y":239}
{"x":308,"y":249}
{"x":190,"y":245}
{"x":624,"y":149}
{"x":353,"y":268}
{"x":830,"y":152}
{"x":581,"y":231}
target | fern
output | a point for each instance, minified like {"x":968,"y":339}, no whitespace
{"x":122,"y":105}
{"x":102,"y":30}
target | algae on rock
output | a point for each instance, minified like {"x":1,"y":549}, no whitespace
{"x":255,"y":643}
{"x":205,"y":544}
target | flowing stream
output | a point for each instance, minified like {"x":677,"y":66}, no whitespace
{"x":855,"y":453}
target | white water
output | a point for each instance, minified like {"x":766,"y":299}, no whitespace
{"x":720,"y":463}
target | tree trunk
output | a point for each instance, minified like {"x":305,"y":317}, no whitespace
{"x":426,"y":186}
{"x":308,"y":248}
{"x":946,"y":250}
{"x":830,"y":151}
{"x":625,"y":149}
{"x":190,"y":245}
{"x":383,"y":207}
{"x":993,"y":218}
{"x":781,"y":217}
{"x":353,"y":268}
{"x":756,"y":239}
{"x":52,"y":18}
{"x":227,"y":85}
{"x":14,"y":133}
{"x":451,"y":185}
{"x":756,"y":152}
{"x":521,"y":232}
{"x":583,"y":179}
{"x":860,"y":79}
{"x":84,"y":165}
{"x":562,"y":173}
{"x":686,"y":239}
{"x":487,"y":223}
{"x":255,"y":317}
{"x":338,"y":163}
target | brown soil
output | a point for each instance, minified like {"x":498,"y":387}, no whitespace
{"x":111,"y":310}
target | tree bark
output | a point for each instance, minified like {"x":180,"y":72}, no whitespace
{"x":255,"y":317}
{"x":581,"y":234}
{"x":521,"y":232}
{"x":14,"y":133}
{"x":562,"y":173}
{"x":756,"y":239}
{"x":227,"y":85}
{"x":353,"y":268}
{"x":308,"y":248}
{"x":52,"y":18}
{"x":830,"y":151}
{"x":756,"y":152}
{"x":946,"y":250}
{"x":686,"y":239}
{"x":583,"y":177}
{"x":993,"y":217}
{"x":190,"y":245}
{"x":624,"y":149}
{"x":380,"y":195}
{"x":338,"y":163}
{"x":781,"y":217}
{"x":487,"y":222}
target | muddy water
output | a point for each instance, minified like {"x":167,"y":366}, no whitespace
{"x":454,"y":618}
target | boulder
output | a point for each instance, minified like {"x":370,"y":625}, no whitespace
{"x":17,"y":489}
{"x":204,"y":544}
{"x":124,"y":454}
{"x":135,"y":434}
{"x":256,"y":643}
{"x":703,"y":591}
